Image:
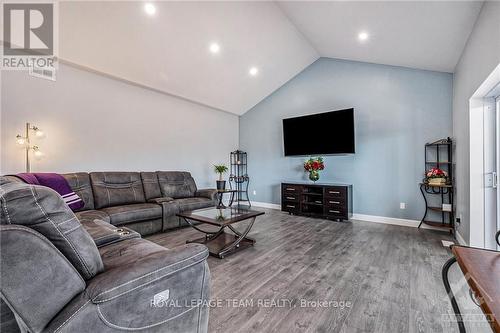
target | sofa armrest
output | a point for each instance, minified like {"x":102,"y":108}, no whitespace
{"x":209,"y":193}
{"x":104,"y":233}
{"x":160,"y":287}
{"x":161,"y":200}
{"x":123,"y":279}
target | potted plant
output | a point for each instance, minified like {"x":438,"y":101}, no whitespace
{"x":436,"y":176}
{"x":314,"y":166}
{"x":220,"y":169}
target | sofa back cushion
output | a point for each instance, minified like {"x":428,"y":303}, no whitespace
{"x":43,"y":210}
{"x":151,"y":185}
{"x":10,"y":179}
{"x":176,"y":184}
{"x":116,"y":188}
{"x":80,"y":184}
{"x":37,"y":279}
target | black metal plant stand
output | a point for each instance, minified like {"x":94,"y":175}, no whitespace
{"x":439,"y":154}
{"x":238,"y":178}
{"x":447,"y":287}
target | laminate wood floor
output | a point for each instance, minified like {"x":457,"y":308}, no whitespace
{"x":314,"y":275}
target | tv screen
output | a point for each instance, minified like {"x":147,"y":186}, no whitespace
{"x":322,"y":133}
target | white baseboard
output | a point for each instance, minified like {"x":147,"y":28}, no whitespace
{"x":370,"y":218}
{"x":460,"y":239}
{"x":266,"y":205}
{"x":386,"y":220}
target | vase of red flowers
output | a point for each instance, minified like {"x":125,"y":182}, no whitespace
{"x":436,"y":176}
{"x":313,"y":166}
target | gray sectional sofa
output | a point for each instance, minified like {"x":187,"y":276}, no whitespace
{"x":90,"y":271}
{"x":146,"y":202}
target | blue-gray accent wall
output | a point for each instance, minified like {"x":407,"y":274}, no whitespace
{"x":397,"y":110}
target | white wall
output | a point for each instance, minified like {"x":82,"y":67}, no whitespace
{"x":95,"y":123}
{"x":480,"y":57}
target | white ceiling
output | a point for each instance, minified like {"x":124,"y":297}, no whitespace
{"x":418,"y":34}
{"x":169,"y":51}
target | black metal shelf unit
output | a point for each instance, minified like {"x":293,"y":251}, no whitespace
{"x":439,"y":154}
{"x":238,"y":178}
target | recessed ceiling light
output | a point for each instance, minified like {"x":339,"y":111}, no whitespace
{"x":363,"y":36}
{"x":253,"y":71}
{"x":214,"y":48}
{"x":149,"y":8}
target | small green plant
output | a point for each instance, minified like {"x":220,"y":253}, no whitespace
{"x":220,"y":169}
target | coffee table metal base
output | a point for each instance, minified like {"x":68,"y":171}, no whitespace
{"x":220,"y":243}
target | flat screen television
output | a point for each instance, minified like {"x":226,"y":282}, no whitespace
{"x":325,"y":133}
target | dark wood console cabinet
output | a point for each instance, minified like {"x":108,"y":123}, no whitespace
{"x":331,"y":201}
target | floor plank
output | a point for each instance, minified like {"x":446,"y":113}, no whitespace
{"x":389,"y":276}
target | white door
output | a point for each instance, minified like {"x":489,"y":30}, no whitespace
{"x":498,"y":165}
{"x":490,"y":172}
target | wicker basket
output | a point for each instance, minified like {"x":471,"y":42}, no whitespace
{"x":436,"y":181}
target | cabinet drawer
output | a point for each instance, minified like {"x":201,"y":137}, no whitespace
{"x":335,"y":192}
{"x":291,"y":189}
{"x":335,"y":202}
{"x":335,"y":212}
{"x":290,"y":196}
{"x":289,"y":206}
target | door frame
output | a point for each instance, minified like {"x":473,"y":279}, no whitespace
{"x":477,"y":103}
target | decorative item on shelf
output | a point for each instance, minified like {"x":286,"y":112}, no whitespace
{"x":436,"y":176}
{"x":447,"y":207}
{"x":26,"y":142}
{"x":220,"y":169}
{"x":313,"y":166}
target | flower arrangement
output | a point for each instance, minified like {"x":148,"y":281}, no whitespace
{"x":313,"y":166}
{"x":436,"y":176}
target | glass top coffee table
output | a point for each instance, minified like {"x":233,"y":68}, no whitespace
{"x":219,"y":242}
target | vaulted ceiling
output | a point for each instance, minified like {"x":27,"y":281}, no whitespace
{"x":417,"y":34}
{"x":172,"y":49}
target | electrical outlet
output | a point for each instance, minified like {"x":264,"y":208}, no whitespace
{"x":402,"y":205}
{"x":254,"y":192}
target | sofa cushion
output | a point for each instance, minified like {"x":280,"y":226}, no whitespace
{"x":193,"y":203}
{"x":145,"y":228}
{"x":176,"y":184}
{"x":116,"y":188}
{"x":133,"y":213}
{"x":80,"y":184}
{"x":43,"y":210}
{"x":151,"y":185}
{"x":90,"y":215}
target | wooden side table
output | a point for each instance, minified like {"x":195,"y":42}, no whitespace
{"x":220,"y":194}
{"x":482,"y":271}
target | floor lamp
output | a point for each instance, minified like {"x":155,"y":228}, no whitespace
{"x":26,"y":142}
